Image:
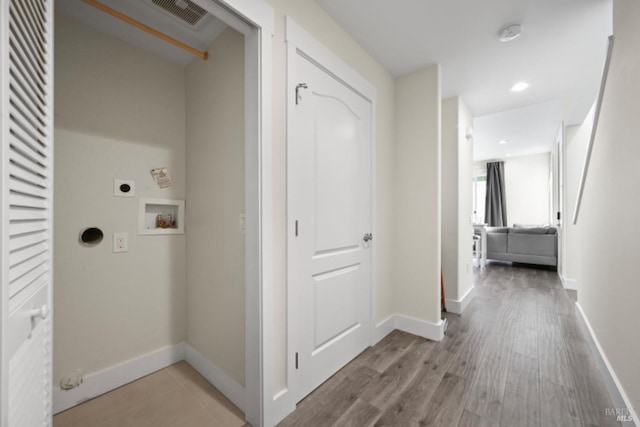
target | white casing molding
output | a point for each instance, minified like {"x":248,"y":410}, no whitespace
{"x":283,"y":406}
{"x":458,"y":306}
{"x":617,"y":393}
{"x":103,"y":381}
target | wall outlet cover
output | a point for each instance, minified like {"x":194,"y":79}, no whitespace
{"x":124,"y":188}
{"x":120,"y":242}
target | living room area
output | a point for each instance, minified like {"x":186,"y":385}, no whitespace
{"x":515,"y":217}
{"x":517,"y":187}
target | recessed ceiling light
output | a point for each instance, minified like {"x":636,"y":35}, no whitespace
{"x":508,"y":155}
{"x":519,"y":87}
{"x":509,"y":33}
{"x":504,"y":141}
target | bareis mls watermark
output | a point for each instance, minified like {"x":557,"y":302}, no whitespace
{"x":621,"y":414}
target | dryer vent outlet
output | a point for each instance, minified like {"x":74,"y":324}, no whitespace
{"x":184,"y":10}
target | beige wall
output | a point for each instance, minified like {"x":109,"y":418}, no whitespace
{"x":215,"y":190}
{"x":457,"y":170}
{"x":609,"y":291}
{"x":417,"y":232}
{"x":119,"y":112}
{"x":327,"y":31}
{"x":576,"y":144}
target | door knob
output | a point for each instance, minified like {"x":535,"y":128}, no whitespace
{"x":40,"y":313}
{"x":367,"y":237}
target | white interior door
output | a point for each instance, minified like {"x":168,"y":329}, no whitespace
{"x":26,"y":178}
{"x":330,"y":214}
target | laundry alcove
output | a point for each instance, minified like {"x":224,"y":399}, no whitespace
{"x":120,"y":111}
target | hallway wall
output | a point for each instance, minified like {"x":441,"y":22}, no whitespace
{"x":576,"y":144}
{"x":417,"y":215}
{"x":609,"y":291}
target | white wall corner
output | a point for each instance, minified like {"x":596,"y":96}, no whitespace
{"x":617,"y":393}
{"x":458,"y":306}
{"x":422,"y":328}
{"x":383,"y":329}
{"x":216,"y":376}
{"x":101,"y":382}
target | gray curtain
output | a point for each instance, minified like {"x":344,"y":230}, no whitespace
{"x":495,"y":214}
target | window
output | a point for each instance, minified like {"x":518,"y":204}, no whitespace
{"x":479,"y":194}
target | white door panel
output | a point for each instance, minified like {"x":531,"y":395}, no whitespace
{"x":335,"y":304}
{"x":330,"y":201}
{"x":337,"y":150}
{"x":26,"y":196}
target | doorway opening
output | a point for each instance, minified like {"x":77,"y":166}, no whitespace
{"x":205,"y":124}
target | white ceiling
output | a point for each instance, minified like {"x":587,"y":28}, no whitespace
{"x":560,"y":53}
{"x":200,"y":36}
{"x":527,"y":130}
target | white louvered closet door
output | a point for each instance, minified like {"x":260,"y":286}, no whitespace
{"x":26,"y":177}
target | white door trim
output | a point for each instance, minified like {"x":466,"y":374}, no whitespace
{"x":300,"y":41}
{"x":255,"y":19}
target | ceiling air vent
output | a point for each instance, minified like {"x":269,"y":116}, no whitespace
{"x":182,"y":9}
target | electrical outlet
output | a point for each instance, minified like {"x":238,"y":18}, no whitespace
{"x":242,"y":223}
{"x":124,"y":188}
{"x":120,"y":242}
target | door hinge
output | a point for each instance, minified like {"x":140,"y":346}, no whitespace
{"x":296,"y":228}
{"x":298,"y":87}
{"x":296,"y":360}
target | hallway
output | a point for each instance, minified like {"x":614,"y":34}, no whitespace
{"x":515,"y":357}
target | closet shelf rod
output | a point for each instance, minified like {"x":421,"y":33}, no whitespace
{"x":143,"y":27}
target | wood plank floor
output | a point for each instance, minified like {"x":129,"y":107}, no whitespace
{"x":515,"y":357}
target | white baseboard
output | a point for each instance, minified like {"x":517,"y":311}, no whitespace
{"x":458,"y":306}
{"x":422,"y":328}
{"x":618,"y":395}
{"x":216,"y":376}
{"x":570,"y":284}
{"x":116,"y":376}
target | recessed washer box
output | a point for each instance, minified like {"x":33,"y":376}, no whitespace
{"x":124,"y":188}
{"x":160,"y":216}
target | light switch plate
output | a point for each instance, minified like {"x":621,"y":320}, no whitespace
{"x":120,"y":242}
{"x":242,"y":222}
{"x":124,"y":188}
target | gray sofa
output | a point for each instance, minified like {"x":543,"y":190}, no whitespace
{"x":530,"y":245}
